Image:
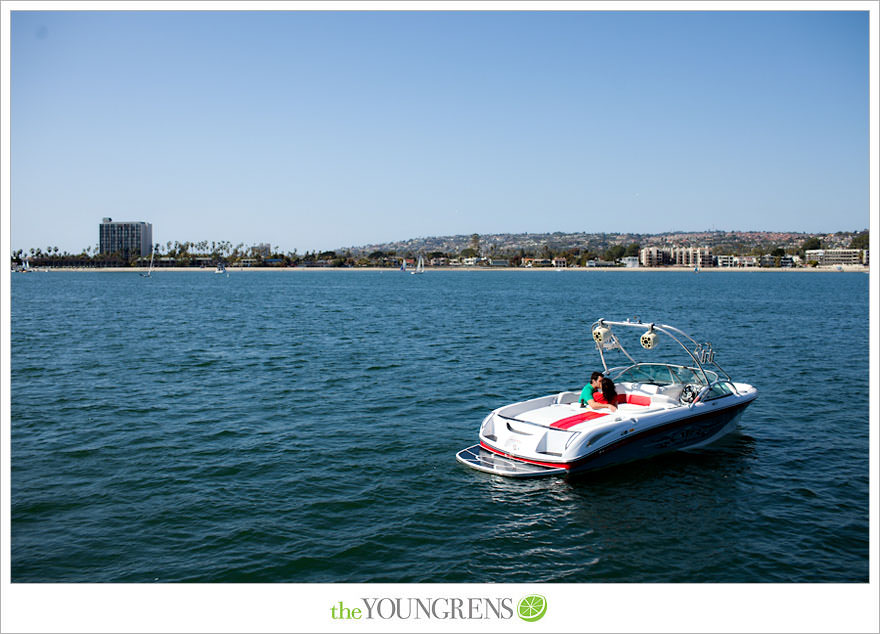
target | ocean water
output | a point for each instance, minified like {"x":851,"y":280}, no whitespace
{"x":301,"y":426}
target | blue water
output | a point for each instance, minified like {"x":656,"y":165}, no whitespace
{"x":301,"y":427}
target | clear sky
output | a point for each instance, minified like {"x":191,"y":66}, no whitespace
{"x":317,"y":130}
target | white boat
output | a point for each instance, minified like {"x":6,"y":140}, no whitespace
{"x":661,"y":407}
{"x":420,"y":267}
{"x":221,"y":269}
{"x":403,"y":265}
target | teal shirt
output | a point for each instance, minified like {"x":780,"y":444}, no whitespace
{"x":587,"y":394}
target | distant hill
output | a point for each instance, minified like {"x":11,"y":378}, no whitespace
{"x":535,"y":243}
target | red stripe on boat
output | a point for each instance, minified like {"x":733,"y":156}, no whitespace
{"x":571,"y":421}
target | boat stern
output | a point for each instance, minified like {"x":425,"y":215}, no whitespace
{"x":481,"y":459}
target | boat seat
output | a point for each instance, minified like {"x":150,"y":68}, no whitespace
{"x":622,"y":398}
{"x":633,"y":399}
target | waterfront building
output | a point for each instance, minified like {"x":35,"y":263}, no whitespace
{"x":654,"y":256}
{"x":724,"y":260}
{"x":131,"y":239}
{"x":535,"y":262}
{"x":834,"y":257}
{"x":679,"y":256}
{"x":631,"y":262}
{"x":689,"y":256}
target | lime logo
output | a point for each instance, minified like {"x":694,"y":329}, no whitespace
{"x":532,"y":608}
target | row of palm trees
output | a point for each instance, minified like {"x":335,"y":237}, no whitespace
{"x":222,"y":250}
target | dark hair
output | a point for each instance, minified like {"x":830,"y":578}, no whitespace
{"x":595,"y":375}
{"x":608,"y":390}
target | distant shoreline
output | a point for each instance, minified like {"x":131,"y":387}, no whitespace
{"x":469,"y":269}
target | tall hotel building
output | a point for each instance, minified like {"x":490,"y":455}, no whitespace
{"x":128,"y":238}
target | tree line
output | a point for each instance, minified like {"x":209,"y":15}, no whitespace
{"x":200,"y":253}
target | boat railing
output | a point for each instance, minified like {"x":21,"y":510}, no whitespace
{"x":533,"y":424}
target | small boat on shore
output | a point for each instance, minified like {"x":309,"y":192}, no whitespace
{"x":661,"y":407}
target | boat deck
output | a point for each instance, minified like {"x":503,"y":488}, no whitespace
{"x":570,"y":415}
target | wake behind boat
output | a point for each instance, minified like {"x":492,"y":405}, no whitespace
{"x":661,"y":407}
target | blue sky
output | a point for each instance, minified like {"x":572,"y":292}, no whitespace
{"x":317,"y":130}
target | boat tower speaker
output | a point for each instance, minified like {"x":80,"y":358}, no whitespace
{"x":602,"y":334}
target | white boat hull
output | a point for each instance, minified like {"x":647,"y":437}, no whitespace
{"x":555,"y":436}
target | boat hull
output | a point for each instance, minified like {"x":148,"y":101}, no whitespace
{"x":685,"y":434}
{"x":691,"y":431}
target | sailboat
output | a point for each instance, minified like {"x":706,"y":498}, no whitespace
{"x":25,"y":267}
{"x":403,"y":265}
{"x":420,"y":267}
{"x":149,"y":273}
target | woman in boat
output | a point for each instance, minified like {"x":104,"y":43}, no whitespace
{"x":595,"y":385}
{"x":605,"y":397}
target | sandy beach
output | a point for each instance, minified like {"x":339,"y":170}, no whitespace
{"x":467,"y":269}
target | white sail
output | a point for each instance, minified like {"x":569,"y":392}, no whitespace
{"x":149,"y":272}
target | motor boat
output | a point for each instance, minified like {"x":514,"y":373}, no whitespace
{"x":661,"y":407}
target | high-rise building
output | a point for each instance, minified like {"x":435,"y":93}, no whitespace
{"x":128,"y":238}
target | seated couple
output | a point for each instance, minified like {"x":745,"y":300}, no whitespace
{"x":599,"y":393}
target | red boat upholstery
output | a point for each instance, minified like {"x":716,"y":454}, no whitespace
{"x":571,"y":421}
{"x":630,"y":399}
{"x":633,"y":399}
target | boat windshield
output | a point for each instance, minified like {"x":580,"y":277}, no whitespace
{"x":661,"y":374}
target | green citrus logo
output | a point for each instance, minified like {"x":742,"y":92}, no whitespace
{"x":532,"y":608}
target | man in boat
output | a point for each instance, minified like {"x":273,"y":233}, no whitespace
{"x":595,"y":385}
{"x":606,"y":397}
